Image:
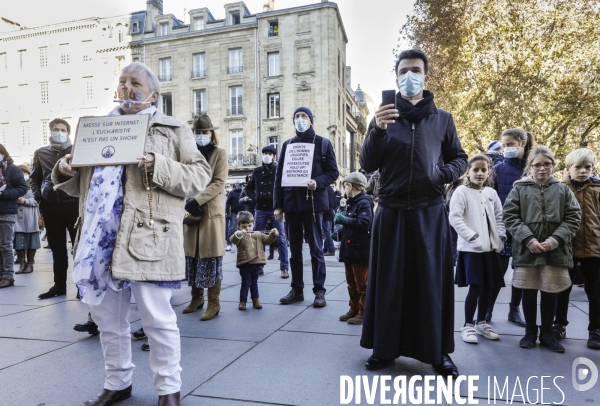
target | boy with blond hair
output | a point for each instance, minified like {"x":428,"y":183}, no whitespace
{"x":579,"y":166}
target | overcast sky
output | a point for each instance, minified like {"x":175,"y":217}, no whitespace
{"x":372,"y":26}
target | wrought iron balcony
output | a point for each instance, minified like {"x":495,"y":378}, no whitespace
{"x":198,"y":73}
{"x":238,"y":160}
{"x":235,"y":111}
{"x":165,"y":77}
{"x":235,"y":69}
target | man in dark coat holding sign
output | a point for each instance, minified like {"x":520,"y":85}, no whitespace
{"x":304,"y":206}
{"x":410,"y":293}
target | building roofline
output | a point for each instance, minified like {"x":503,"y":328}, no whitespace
{"x":192,"y":33}
{"x":307,"y":7}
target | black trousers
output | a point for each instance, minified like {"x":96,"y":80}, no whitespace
{"x":60,"y":218}
{"x":591,"y":275}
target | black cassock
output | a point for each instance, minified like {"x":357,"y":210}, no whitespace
{"x":409,"y":309}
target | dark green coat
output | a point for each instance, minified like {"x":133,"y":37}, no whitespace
{"x":535,"y":211}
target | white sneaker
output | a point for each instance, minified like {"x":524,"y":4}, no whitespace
{"x":228,"y":248}
{"x":468,"y":334}
{"x":486,"y":330}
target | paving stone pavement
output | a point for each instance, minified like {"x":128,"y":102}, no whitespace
{"x":280,"y":355}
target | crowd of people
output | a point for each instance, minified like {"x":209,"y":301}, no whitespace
{"x":424,"y":219}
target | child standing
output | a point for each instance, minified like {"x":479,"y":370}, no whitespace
{"x":516,"y":143}
{"x":355,"y":237}
{"x":250,"y":256}
{"x":586,"y":244}
{"x":476,"y":215}
{"x":543,"y":216}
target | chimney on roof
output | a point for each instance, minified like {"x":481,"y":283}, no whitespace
{"x":269,"y":5}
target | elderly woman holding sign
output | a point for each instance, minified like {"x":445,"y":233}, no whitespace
{"x":130,"y":239}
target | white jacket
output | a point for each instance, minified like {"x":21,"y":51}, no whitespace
{"x":468,"y":211}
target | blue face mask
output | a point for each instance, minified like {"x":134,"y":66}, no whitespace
{"x":202,"y":139}
{"x":511,"y":152}
{"x":301,"y":125}
{"x":59,"y":137}
{"x":410,"y":84}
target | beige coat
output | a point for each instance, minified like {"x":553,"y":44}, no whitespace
{"x":179,"y":171}
{"x":250,"y":246}
{"x":211,"y":230}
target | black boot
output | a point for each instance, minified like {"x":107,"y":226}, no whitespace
{"x":548,"y":340}
{"x":514,"y":316}
{"x":530,"y":338}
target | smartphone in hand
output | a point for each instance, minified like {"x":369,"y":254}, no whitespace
{"x":388,"y":97}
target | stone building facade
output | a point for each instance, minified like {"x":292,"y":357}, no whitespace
{"x":66,"y":70}
{"x":249,"y":72}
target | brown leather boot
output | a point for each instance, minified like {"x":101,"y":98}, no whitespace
{"x":30,"y":261}
{"x":109,"y":397}
{"x":213,"y":302}
{"x":172,"y":399}
{"x":256,"y":304}
{"x":197,"y":300}
{"x":22,"y":262}
{"x":6,"y":283}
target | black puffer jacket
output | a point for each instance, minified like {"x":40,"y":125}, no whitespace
{"x":261,"y":185}
{"x":232,"y":204}
{"x":15,"y":187}
{"x":415,"y":159}
{"x":44,"y":160}
{"x":355,"y":236}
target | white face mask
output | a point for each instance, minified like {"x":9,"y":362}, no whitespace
{"x":202,"y":139}
{"x":59,"y":137}
{"x":26,"y":177}
{"x":267,"y":159}
{"x":410,"y":84}
{"x":301,"y":125}
{"x":127,"y":104}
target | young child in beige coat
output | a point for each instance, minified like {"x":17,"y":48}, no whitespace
{"x":250,"y":256}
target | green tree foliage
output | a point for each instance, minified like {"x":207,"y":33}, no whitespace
{"x":498,"y":64}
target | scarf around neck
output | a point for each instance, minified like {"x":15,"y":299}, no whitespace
{"x":415,"y":113}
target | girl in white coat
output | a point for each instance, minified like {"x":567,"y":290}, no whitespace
{"x":476,"y":215}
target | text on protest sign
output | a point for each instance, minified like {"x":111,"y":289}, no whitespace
{"x":111,"y":140}
{"x":297,"y":164}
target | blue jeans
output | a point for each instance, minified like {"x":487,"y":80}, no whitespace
{"x":232,"y":227}
{"x":314,"y":234}
{"x":260,"y":222}
{"x":328,"y":241}
{"x":249,"y":274}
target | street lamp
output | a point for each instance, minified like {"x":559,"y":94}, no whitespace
{"x":252,"y":148}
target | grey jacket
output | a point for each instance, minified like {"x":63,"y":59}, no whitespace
{"x":27,"y":217}
{"x":534,"y":211}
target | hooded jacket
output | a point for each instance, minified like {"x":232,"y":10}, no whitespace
{"x":355,"y":236}
{"x":416,"y":155}
{"x":587,"y":240}
{"x":542,"y":211}
{"x":15,"y":187}
{"x":44,"y":160}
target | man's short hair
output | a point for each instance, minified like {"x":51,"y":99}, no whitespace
{"x":244,"y":217}
{"x":580,"y":157}
{"x":60,"y":121}
{"x":412,"y":54}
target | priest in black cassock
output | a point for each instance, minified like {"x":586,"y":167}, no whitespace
{"x":410,"y":293}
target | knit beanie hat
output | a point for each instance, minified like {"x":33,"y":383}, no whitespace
{"x":357,"y":179}
{"x":494,"y":145}
{"x":306,"y":110}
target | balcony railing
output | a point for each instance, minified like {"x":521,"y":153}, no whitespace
{"x":165,"y":77}
{"x":237,"y":160}
{"x":235,"y":111}
{"x":198,"y":73}
{"x":235,"y":69}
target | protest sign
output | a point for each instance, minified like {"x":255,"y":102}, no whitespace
{"x":110,"y":140}
{"x":297,"y":165}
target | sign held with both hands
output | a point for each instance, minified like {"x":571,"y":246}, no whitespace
{"x":109,"y":140}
